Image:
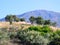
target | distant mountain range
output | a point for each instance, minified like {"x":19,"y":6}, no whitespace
{"x":53,"y":16}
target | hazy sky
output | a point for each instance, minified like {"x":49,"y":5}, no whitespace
{"x":21,"y":6}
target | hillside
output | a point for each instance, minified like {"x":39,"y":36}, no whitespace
{"x":53,"y":16}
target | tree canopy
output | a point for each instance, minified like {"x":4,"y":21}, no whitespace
{"x":11,"y":18}
{"x":39,"y":20}
{"x":32,"y":19}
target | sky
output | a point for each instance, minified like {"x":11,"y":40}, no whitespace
{"x":18,"y":7}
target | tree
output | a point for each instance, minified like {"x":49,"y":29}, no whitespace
{"x":53,"y":24}
{"x":22,"y":19}
{"x":12,"y":18}
{"x":47,"y":22}
{"x":32,"y":19}
{"x":39,"y":20}
{"x":16,"y":19}
{"x":9,"y":18}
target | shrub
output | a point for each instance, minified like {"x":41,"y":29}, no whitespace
{"x":55,"y":41}
{"x":35,"y":28}
{"x":12,"y":35}
{"x":3,"y":35}
{"x":44,"y":29}
{"x":3,"y":38}
{"x":31,"y":38}
{"x":58,"y":32}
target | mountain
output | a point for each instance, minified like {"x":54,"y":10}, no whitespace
{"x":53,"y":16}
{"x":3,"y":19}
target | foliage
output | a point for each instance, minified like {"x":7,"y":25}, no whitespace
{"x":53,"y":24}
{"x":34,"y":35}
{"x":9,"y":18}
{"x":32,"y":19}
{"x":39,"y":20}
{"x":4,"y":38}
{"x":36,"y":28}
{"x":58,"y":32}
{"x":12,"y":35}
{"x":16,"y":19}
{"x":32,"y":38}
{"x":44,"y":29}
{"x":55,"y":41}
{"x":47,"y":22}
{"x":22,"y":19}
{"x":12,"y":18}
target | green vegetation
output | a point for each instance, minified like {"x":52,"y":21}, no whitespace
{"x":32,"y":38}
{"x":34,"y":35}
{"x":41,"y":21}
{"x":32,"y":19}
{"x":44,"y":29}
{"x":4,"y":38}
{"x":13,"y":18}
{"x":55,"y":41}
{"x":40,"y":34}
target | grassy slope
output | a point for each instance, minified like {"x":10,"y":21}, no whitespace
{"x":15,"y":24}
{"x":19,"y":24}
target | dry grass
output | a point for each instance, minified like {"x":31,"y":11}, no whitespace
{"x":54,"y":28}
{"x":20,"y":24}
{"x":4,"y":24}
{"x":14,"y":24}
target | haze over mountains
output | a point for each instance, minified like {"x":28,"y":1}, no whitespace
{"x":53,"y":16}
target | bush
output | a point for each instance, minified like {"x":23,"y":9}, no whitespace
{"x":55,"y":41}
{"x":3,"y":38}
{"x":31,"y":38}
{"x":44,"y":29}
{"x":3,"y":35}
{"x":12,"y":35}
{"x":35,"y":28}
{"x":58,"y":32}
